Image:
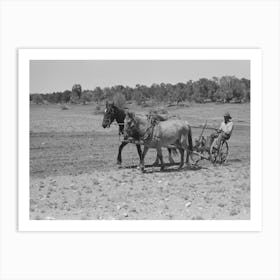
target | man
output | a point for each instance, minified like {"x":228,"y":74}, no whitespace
{"x":224,"y":132}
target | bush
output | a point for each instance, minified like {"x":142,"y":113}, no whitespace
{"x":98,"y":110}
{"x":64,"y":107}
{"x":149,"y":103}
{"x":138,"y":97}
{"x":74,"y":99}
{"x":86,"y":97}
{"x":160,"y":111}
{"x":184,"y":104}
{"x":144,"y":105}
{"x":119,"y":100}
{"x":37,"y":99}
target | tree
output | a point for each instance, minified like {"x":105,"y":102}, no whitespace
{"x":226,"y":87}
{"x":197,"y":97}
{"x":86,"y":97}
{"x":98,"y":94}
{"x":66,"y":96}
{"x":119,"y":100}
{"x":138,"y":97}
{"x":37,"y":98}
{"x":108,"y":93}
{"x":128,"y":93}
{"x":179,"y":92}
{"x":158,"y":92}
{"x":246,"y":89}
{"x":189,"y":90}
{"x":76,"y":93}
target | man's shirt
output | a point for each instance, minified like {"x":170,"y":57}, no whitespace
{"x":227,"y":127}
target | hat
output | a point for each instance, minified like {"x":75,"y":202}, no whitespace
{"x":227,"y":114}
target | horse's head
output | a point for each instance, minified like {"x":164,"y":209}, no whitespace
{"x":130,"y":125}
{"x":109,"y":114}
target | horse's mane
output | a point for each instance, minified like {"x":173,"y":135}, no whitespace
{"x":138,"y":118}
{"x":118,"y":108}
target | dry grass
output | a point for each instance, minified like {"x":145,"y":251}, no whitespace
{"x":74,"y":173}
{"x":63,"y":106}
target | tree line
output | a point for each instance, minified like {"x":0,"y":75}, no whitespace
{"x":225,"y":89}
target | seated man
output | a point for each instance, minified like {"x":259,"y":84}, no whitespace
{"x":224,"y":132}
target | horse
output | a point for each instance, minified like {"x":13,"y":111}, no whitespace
{"x":112,"y":113}
{"x":171,"y":132}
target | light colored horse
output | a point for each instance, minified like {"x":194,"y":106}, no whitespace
{"x":169,"y":133}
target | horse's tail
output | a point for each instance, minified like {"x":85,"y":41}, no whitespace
{"x":190,"y":139}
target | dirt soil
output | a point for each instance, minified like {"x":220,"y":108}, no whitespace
{"x":73,"y":171}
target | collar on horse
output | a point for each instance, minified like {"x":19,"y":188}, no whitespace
{"x":149,"y":132}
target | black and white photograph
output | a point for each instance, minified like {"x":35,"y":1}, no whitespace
{"x":140,"y":139}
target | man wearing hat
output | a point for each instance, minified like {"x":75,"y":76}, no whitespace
{"x":225,"y":130}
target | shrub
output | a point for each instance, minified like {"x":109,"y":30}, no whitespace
{"x":161,"y":111}
{"x":119,"y":100}
{"x":149,"y":103}
{"x":158,"y":111}
{"x":144,"y":105}
{"x":37,"y":98}
{"x":77,"y":90}
{"x":86,"y":97}
{"x":98,"y":110}
{"x":184,"y":104}
{"x":138,"y":97}
{"x":63,"y":106}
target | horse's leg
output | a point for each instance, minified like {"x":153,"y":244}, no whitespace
{"x":171,"y":160}
{"x":119,"y":159}
{"x":143,"y":157}
{"x":139,"y":151}
{"x":159,"y":152}
{"x":188,"y":156}
{"x":182,"y":151}
{"x":189,"y":147}
{"x":156,"y":162}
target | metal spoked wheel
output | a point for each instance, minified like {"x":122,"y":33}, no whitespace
{"x":219,"y":155}
{"x":223,"y":153}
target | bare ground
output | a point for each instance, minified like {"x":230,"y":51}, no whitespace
{"x":73,"y":172}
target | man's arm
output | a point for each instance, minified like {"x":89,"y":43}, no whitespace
{"x":221,"y":127}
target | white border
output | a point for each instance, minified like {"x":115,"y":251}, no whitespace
{"x":254,"y":55}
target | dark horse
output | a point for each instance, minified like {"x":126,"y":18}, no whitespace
{"x":111,"y":113}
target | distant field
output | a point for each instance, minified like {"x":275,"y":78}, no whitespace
{"x":47,"y":118}
{"x":74,"y":174}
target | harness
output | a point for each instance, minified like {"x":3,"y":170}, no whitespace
{"x":149,"y":132}
{"x":148,"y":135}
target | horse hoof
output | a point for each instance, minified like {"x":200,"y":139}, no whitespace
{"x":162,"y":168}
{"x":119,"y":162}
{"x":141,"y":167}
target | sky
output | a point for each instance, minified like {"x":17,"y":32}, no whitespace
{"x":48,"y":76}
